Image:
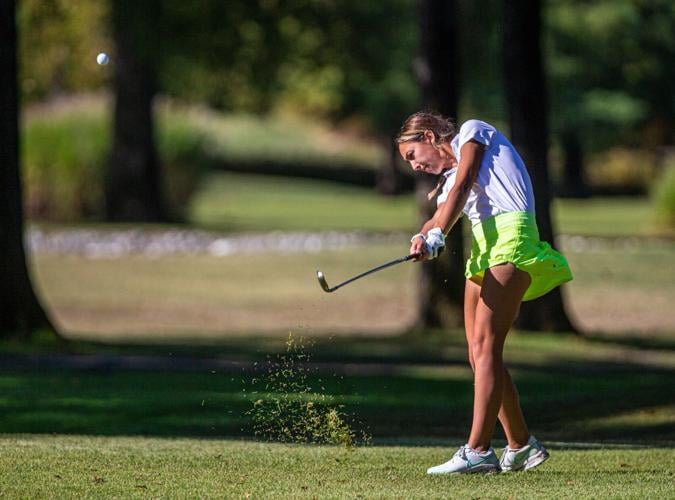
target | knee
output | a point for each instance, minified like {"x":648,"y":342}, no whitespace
{"x":484,"y":349}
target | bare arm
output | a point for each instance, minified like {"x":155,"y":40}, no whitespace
{"x":448,"y":212}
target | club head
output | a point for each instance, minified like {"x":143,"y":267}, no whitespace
{"x":322,"y":282}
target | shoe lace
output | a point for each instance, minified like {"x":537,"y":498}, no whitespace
{"x":461,"y":453}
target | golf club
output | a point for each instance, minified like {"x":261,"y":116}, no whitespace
{"x":322,"y":278}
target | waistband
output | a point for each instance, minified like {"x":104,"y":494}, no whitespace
{"x":521,"y":222}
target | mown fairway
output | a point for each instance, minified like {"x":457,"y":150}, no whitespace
{"x":42,"y":467}
{"x":617,"y":289}
{"x":624,"y":280}
{"x":605,"y":408}
{"x":230,"y":201}
{"x":412,"y":387}
{"x":153,"y":398}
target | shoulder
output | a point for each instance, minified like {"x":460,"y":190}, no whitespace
{"x":476,"y":130}
{"x":475,"y":124}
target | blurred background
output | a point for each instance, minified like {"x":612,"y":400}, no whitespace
{"x":180,"y":198}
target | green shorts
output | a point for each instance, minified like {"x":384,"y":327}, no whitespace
{"x":514,"y":237}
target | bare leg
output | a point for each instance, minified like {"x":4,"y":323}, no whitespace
{"x":493,"y":313}
{"x":510,"y":414}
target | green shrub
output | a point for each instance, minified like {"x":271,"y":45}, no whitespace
{"x":663,"y":196}
{"x":65,"y":149}
{"x":622,"y":170}
{"x":184,"y":160}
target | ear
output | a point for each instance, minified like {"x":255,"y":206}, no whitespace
{"x":430,"y":137}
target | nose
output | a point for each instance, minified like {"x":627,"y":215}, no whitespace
{"x":416,"y":166}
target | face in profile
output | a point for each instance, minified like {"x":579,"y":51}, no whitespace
{"x":423,"y":157}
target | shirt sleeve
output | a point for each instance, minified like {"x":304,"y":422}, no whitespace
{"x":478,"y":131}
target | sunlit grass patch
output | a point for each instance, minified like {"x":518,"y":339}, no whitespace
{"x":268,"y":203}
{"x":81,"y":466}
{"x":256,"y":203}
{"x":204,"y":297}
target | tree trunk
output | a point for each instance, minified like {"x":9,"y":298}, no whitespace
{"x":526,"y":104}
{"x":573,"y":183}
{"x":389,"y":180}
{"x":133,"y":182}
{"x":20,"y":310}
{"x":441,"y":282}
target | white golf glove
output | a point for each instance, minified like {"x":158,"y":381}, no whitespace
{"x":434,"y":242}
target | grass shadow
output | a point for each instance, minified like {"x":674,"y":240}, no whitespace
{"x":637,"y":342}
{"x":410,"y":387}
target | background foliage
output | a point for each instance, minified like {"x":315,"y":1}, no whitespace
{"x":345,"y":66}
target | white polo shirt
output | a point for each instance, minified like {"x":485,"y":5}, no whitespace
{"x":503,"y":184}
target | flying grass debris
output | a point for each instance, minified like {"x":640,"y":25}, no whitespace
{"x":289,"y":410}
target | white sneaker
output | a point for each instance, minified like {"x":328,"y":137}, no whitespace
{"x":468,"y":460}
{"x":527,"y":457}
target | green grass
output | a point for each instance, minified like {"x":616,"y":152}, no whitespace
{"x":278,"y":137}
{"x":605,"y":217}
{"x":204,"y":298}
{"x":604,"y":408}
{"x":162,"y":432}
{"x":627,"y":288}
{"x":86,"y":467}
{"x":571,"y":388}
{"x":663,"y":196}
{"x":262,"y":203}
{"x":597,"y":394}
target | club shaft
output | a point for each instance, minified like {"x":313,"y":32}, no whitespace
{"x":374,"y":270}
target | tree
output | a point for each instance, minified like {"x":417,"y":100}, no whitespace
{"x":573,"y":183}
{"x":526,"y":104}
{"x":20,"y":310}
{"x":133,"y":181}
{"x":610,"y":70}
{"x":441,"y":281}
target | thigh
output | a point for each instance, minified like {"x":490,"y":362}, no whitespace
{"x":500,"y":296}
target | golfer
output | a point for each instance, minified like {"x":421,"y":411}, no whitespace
{"x":481,"y":174}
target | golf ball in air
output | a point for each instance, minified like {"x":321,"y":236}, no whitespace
{"x":102,"y":58}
